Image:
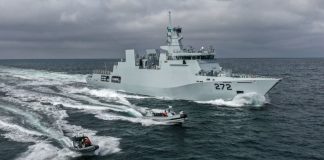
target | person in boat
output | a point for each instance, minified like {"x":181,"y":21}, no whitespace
{"x":165,"y":114}
{"x":82,"y":142}
{"x":87,"y":142}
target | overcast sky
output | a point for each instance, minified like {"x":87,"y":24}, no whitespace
{"x":105,"y":28}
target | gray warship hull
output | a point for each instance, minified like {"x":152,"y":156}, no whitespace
{"x":176,"y":72}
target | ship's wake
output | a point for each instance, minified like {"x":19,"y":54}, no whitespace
{"x":45,"y":126}
{"x":30,"y":114}
{"x":35,"y":107}
{"x":240,"y":100}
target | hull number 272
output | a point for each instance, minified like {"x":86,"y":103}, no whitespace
{"x":222,"y":86}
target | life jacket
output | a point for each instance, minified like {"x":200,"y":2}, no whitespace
{"x":87,"y":142}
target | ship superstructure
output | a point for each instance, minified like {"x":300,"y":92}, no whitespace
{"x":175,"y":72}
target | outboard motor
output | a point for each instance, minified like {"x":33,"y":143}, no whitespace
{"x":183,"y":115}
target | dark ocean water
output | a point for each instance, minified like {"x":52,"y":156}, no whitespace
{"x":288,"y":125}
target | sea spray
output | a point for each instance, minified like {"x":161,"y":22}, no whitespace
{"x":240,"y":100}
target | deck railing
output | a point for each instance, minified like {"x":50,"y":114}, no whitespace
{"x":101,"y":71}
{"x":238,"y":75}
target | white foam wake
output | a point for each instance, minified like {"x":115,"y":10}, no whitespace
{"x":41,"y":77}
{"x":34,"y":121}
{"x":18,"y":133}
{"x":240,"y":100}
{"x":44,"y":150}
{"x":108,"y":94}
{"x":107,"y":144}
{"x":96,"y":104}
{"x":140,"y":120}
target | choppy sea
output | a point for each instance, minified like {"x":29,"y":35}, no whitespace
{"x":286,"y":124}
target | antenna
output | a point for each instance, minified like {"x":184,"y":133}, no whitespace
{"x":170,"y":22}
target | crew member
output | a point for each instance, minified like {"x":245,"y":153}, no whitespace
{"x":87,"y":142}
{"x":165,"y":114}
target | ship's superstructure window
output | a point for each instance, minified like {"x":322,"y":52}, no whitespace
{"x":195,"y":57}
{"x":115,"y":79}
{"x":239,"y":92}
{"x":104,"y":78}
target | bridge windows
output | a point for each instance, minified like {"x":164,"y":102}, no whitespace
{"x":104,"y":78}
{"x":115,"y":79}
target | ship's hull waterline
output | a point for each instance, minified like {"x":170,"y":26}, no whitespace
{"x":200,"y":91}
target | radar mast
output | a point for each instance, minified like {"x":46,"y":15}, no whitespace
{"x":174,"y":38}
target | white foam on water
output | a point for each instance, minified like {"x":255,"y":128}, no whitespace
{"x":93,"y":102}
{"x":240,"y":100}
{"x":28,"y":96}
{"x":54,"y":129}
{"x":83,"y":107}
{"x":97,"y":110}
{"x":108,"y":94}
{"x":18,"y":133}
{"x":142,"y":121}
{"x":31,"y":96}
{"x":164,"y":98}
{"x":42,"y":77}
{"x":107,"y":144}
{"x":44,"y":151}
{"x":35,"y":122}
{"x":43,"y":89}
{"x":100,"y":113}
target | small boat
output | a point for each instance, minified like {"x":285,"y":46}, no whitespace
{"x":83,"y":145}
{"x":168,"y":116}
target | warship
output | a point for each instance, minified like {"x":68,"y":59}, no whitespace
{"x":180,"y":73}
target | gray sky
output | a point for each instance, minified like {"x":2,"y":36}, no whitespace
{"x":105,"y":28}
